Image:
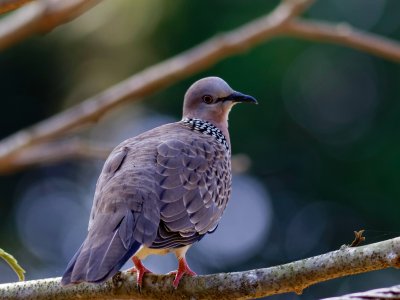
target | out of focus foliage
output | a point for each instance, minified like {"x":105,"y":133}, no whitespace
{"x":323,"y":143}
{"x":12,"y":262}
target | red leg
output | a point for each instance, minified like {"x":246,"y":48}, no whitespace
{"x":139,"y":269}
{"x":183,"y":268}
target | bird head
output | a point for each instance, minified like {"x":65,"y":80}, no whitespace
{"x":211,"y":99}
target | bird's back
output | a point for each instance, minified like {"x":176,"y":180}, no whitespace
{"x":169,"y":161}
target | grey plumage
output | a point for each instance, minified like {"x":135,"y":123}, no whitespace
{"x":163,"y":189}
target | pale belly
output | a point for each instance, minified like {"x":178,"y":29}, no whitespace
{"x":143,"y":252}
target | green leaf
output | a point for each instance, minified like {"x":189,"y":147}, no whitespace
{"x":13,"y":264}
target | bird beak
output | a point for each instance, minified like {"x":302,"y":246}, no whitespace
{"x":241,"y":98}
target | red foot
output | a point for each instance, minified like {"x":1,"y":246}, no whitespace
{"x":183,"y":269}
{"x":139,"y":269}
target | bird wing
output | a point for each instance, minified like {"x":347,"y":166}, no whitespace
{"x":125,"y":214}
{"x":165,"y":188}
{"x":194,"y":179}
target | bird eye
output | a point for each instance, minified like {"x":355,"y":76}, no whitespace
{"x":208,"y":99}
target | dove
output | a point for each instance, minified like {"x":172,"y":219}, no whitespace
{"x":161,"y":191}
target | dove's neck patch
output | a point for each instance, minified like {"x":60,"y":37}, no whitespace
{"x":206,"y":128}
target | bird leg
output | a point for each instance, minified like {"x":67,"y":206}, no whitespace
{"x":183,"y":268}
{"x":139,"y":269}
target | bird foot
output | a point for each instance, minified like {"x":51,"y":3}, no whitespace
{"x":140,"y":270}
{"x":183,"y":269}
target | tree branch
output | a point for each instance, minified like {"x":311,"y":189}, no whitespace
{"x":48,"y":153}
{"x":281,"y":21}
{"x":38,"y":17}
{"x":53,"y":152}
{"x":344,"y":34}
{"x":9,"y":5}
{"x":392,"y":293}
{"x":291,"y":277}
{"x":153,"y":78}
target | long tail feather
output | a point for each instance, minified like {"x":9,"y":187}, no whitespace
{"x":102,"y":255}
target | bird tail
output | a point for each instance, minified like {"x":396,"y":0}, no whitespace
{"x":80,"y":268}
{"x":101,"y":256}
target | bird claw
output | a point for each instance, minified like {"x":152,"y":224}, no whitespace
{"x":140,"y":270}
{"x":183,"y":269}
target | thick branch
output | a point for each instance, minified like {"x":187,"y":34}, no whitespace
{"x":345,"y":34}
{"x":392,"y":293}
{"x":39,"y":16}
{"x":9,"y":5}
{"x":292,"y":277}
{"x":153,"y":78}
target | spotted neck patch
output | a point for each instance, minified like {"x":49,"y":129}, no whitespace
{"x":206,"y":128}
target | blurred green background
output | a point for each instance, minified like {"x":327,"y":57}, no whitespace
{"x":318,"y":158}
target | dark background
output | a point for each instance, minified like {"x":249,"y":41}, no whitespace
{"x":318,"y":158}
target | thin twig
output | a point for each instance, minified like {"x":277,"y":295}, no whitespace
{"x":345,"y":34}
{"x":38,"y":17}
{"x":291,"y":277}
{"x":154,"y":78}
{"x":392,"y":293}
{"x":358,"y":238}
{"x":9,"y":5}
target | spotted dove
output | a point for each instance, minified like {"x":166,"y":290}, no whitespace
{"x":162,"y":190}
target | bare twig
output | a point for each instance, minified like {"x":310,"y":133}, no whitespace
{"x":282,"y":21}
{"x":48,"y":153}
{"x":346,"y":35}
{"x":153,"y":78}
{"x":39,"y":16}
{"x":9,"y":5}
{"x":358,"y":238}
{"x":392,"y":293}
{"x":292,"y":277}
